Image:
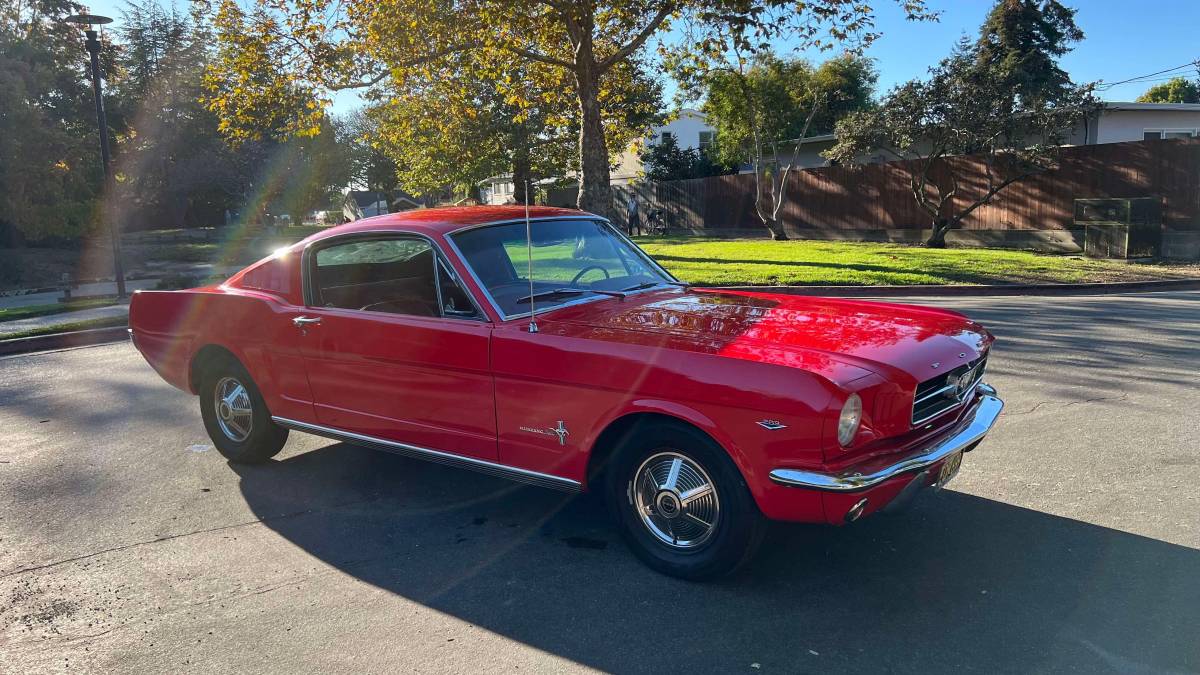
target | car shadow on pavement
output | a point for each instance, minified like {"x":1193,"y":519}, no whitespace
{"x":958,"y":582}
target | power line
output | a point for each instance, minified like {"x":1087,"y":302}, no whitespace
{"x":1157,"y":79}
{"x":1109,"y":85}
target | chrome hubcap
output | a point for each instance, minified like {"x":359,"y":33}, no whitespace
{"x":676,"y":500}
{"x":234,"y":414}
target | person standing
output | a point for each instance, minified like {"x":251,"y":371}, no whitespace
{"x":635,"y":220}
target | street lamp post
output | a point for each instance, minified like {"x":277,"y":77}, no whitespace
{"x":93,"y":48}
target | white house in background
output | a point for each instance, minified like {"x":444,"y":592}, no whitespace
{"x":689,"y":129}
{"x":500,"y":189}
{"x":496,"y":189}
{"x":1118,"y":122}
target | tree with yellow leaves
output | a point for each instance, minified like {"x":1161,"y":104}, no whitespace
{"x":321,"y":46}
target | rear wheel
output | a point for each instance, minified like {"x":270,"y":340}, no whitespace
{"x":235,"y":415}
{"x":681,"y":502}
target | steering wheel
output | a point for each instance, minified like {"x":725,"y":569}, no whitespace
{"x":585,"y":270}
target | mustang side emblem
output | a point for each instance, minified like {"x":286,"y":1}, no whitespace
{"x":772,"y":425}
{"x":560,"y":431}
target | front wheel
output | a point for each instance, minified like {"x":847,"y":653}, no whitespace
{"x":682,"y":504}
{"x":236,"y":417}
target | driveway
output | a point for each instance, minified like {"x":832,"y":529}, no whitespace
{"x":1070,"y":541}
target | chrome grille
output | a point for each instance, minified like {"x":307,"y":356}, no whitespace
{"x":939,"y":394}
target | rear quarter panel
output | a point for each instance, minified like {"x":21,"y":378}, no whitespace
{"x":170,"y":327}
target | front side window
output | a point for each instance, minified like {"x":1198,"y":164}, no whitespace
{"x":398,"y":275}
{"x":571,"y":259}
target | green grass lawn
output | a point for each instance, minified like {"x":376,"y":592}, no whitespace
{"x":104,"y":322}
{"x":737,"y":262}
{"x":57,"y":308}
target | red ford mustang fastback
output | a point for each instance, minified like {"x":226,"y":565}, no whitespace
{"x":572,"y":360}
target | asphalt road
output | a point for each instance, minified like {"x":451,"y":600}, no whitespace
{"x":1070,"y":541}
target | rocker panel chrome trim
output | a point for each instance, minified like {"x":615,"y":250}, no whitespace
{"x":449,"y":459}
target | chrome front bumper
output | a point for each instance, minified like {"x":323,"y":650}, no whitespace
{"x":970,"y":430}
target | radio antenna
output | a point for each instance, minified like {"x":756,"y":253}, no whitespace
{"x":533,"y":327}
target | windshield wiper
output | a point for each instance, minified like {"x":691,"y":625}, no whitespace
{"x":652,"y":284}
{"x":552,"y":292}
{"x":616,"y":294}
{"x":569,"y":291}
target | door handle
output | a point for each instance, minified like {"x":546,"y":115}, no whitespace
{"x":303,"y":321}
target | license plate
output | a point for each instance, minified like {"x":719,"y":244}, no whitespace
{"x":949,"y":470}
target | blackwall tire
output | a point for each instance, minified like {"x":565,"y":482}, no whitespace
{"x":236,"y":416}
{"x":681,"y":503}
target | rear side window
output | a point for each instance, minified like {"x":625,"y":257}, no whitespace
{"x":273,"y":276}
{"x":377,"y":275}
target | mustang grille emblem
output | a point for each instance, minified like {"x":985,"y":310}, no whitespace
{"x":560,"y":431}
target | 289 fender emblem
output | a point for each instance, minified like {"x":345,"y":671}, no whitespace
{"x":772,"y":425}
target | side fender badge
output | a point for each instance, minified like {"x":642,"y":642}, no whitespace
{"x":772,"y":425}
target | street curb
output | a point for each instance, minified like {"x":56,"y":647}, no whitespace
{"x":78,"y":338}
{"x":975,"y":290}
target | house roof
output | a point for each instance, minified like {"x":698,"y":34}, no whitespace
{"x":365,"y":198}
{"x":507,"y":178}
{"x":1133,"y":105}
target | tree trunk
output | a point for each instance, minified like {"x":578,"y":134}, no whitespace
{"x":595,"y":194}
{"x":776,"y":229}
{"x":937,"y":239}
{"x":522,"y":178}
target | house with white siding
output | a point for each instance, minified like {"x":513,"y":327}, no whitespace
{"x":1119,"y":122}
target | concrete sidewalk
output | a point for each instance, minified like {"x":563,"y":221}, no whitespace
{"x":82,"y":290}
{"x":200,"y":271}
{"x":21,"y":325}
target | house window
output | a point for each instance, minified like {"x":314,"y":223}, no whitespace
{"x":666,"y":135}
{"x":706,"y":140}
{"x":1156,"y":134}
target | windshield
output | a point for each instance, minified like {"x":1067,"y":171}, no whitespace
{"x":571,"y":259}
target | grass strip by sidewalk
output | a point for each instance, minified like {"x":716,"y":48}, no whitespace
{"x":756,"y":262}
{"x":103,"y":322}
{"x":32,"y":311}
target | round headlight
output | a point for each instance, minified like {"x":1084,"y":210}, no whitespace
{"x":849,"y":420}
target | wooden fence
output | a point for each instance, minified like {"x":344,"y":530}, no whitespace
{"x":877,"y":196}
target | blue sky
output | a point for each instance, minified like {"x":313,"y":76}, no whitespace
{"x":1123,"y":40}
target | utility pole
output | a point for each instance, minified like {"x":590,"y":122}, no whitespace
{"x":93,"y":48}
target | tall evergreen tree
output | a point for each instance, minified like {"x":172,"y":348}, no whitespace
{"x":1020,"y":43}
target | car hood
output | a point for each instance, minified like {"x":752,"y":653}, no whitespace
{"x":842,"y":338}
